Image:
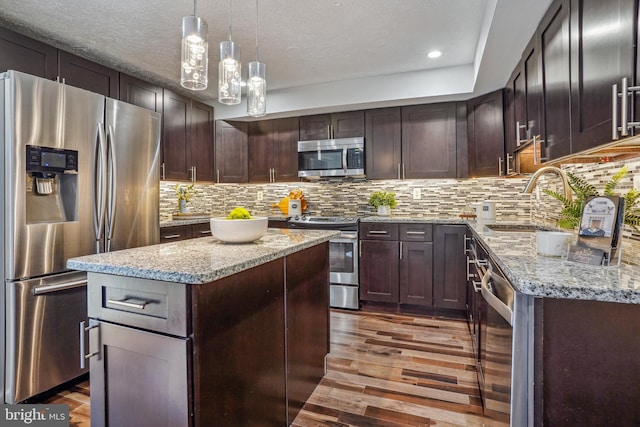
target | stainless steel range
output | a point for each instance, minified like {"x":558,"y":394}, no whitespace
{"x":343,"y":257}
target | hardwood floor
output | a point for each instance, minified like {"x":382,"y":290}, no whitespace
{"x":383,"y":370}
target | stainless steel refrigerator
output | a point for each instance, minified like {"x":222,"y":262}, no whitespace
{"x":80,"y":176}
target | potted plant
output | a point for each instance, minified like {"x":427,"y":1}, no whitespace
{"x":571,"y":212}
{"x":185,"y":194}
{"x":383,"y":201}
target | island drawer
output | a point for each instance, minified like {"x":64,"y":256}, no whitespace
{"x":148,"y":304}
{"x":418,"y":232}
{"x":378,"y":231}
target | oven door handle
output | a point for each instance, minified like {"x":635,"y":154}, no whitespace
{"x":345,"y":238}
{"x":502,"y":309}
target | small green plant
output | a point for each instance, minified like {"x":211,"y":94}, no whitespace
{"x":383,"y":198}
{"x":571,"y":212}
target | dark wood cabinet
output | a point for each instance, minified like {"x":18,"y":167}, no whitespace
{"x":449,"y":267}
{"x":556,"y":90}
{"x":187,"y":139}
{"x":273,"y":150}
{"x":79,"y":72}
{"x":329,"y":126}
{"x":383,"y":143}
{"x":533,"y":89}
{"x":26,"y":55}
{"x":599,"y":58}
{"x":182,"y":232}
{"x":232,"y":164}
{"x":140,"y":93}
{"x":416,"y":264}
{"x":429,"y":144}
{"x":485,"y":135}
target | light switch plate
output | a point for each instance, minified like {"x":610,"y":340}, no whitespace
{"x":416,"y":194}
{"x":260,"y":195}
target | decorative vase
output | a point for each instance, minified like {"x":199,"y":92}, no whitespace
{"x":182,"y":206}
{"x":384,"y":210}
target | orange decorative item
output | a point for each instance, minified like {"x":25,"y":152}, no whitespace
{"x":284,"y":203}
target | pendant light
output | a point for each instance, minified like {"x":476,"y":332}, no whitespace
{"x":194,"y":68}
{"x":257,"y":83}
{"x":229,"y":70}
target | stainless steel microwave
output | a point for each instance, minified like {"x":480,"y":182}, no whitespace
{"x":331,"y":157}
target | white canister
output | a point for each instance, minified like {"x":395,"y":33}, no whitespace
{"x":553,"y":243}
{"x":489,"y":211}
{"x":477,"y":209}
{"x":295,"y":207}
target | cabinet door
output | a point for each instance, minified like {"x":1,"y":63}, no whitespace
{"x":599,"y":58}
{"x":140,"y":93}
{"x":82,"y":73}
{"x":260,"y":150}
{"x":232,"y":164}
{"x":379,"y":271}
{"x":26,"y":55}
{"x":347,"y":125}
{"x":485,"y":131}
{"x":429,"y":141}
{"x":533,"y":86}
{"x":175,"y":136}
{"x":449,"y":267}
{"x":285,"y":149}
{"x":201,"y":147}
{"x":383,"y":132}
{"x":149,"y":369}
{"x":416,"y":273}
{"x":315,"y":127}
{"x":556,"y":105}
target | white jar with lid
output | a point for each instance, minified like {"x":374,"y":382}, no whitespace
{"x":488,"y":211}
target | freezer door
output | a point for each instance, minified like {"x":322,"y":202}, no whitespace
{"x":44,"y":113}
{"x":133,"y":176}
{"x":43,"y":335}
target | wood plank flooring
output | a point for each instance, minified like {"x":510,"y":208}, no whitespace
{"x":383,"y":370}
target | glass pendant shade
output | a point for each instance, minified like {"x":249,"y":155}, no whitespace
{"x":229,"y":74}
{"x":257,"y":89}
{"x":194,"y":67}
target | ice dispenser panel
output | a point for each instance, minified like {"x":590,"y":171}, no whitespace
{"x":52,"y":184}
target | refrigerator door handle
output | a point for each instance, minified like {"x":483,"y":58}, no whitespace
{"x":112,"y":185}
{"x":99,"y":193}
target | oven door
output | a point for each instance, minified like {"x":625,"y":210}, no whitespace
{"x":343,"y":259}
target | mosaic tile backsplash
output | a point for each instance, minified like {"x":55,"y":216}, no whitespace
{"x":439,"y":198}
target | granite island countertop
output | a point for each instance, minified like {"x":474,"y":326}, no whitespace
{"x":201,"y":260}
{"x":542,"y":276}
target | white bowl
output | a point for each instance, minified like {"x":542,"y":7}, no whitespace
{"x":553,"y":243}
{"x":239,"y":230}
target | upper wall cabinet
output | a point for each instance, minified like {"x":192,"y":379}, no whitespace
{"x":187,"y":139}
{"x":485,"y":135}
{"x":232,"y":165}
{"x":82,"y":73}
{"x":140,"y":93}
{"x":26,"y":55}
{"x":602,"y":53}
{"x":429,"y":141}
{"x":273,"y":150}
{"x":383,"y":143}
{"x":330,"y":126}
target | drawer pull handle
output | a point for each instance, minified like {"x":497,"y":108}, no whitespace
{"x":124,"y":303}
{"x":205,"y":232}
{"x":378,"y":232}
{"x":171,"y":236}
{"x":421,"y":233}
{"x":84,"y":357}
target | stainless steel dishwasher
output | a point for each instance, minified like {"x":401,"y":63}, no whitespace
{"x":504,"y":373}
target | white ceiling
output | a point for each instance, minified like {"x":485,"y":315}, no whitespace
{"x":321,"y":55}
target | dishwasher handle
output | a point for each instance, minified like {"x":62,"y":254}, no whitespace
{"x":503,"y":309}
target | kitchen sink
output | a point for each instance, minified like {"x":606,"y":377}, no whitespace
{"x":519,"y":228}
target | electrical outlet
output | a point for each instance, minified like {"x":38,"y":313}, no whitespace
{"x":636,"y":182}
{"x":416,"y":194}
{"x":260,"y":195}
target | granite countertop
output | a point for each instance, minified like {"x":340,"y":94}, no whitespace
{"x":201,"y":260}
{"x":541,"y":276}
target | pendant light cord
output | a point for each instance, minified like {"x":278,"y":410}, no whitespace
{"x":230,"y":14}
{"x":257,"y":31}
{"x":194,"y":7}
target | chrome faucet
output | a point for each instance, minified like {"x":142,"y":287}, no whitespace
{"x":549,"y":169}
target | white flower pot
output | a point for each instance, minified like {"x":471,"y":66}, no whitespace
{"x":384,"y":210}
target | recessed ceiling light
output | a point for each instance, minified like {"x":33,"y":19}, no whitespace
{"x":434,"y":54}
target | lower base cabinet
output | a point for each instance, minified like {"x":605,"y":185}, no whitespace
{"x":449,"y":267}
{"x":245,"y":350}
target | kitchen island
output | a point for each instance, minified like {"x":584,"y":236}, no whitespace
{"x":199,"y":332}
